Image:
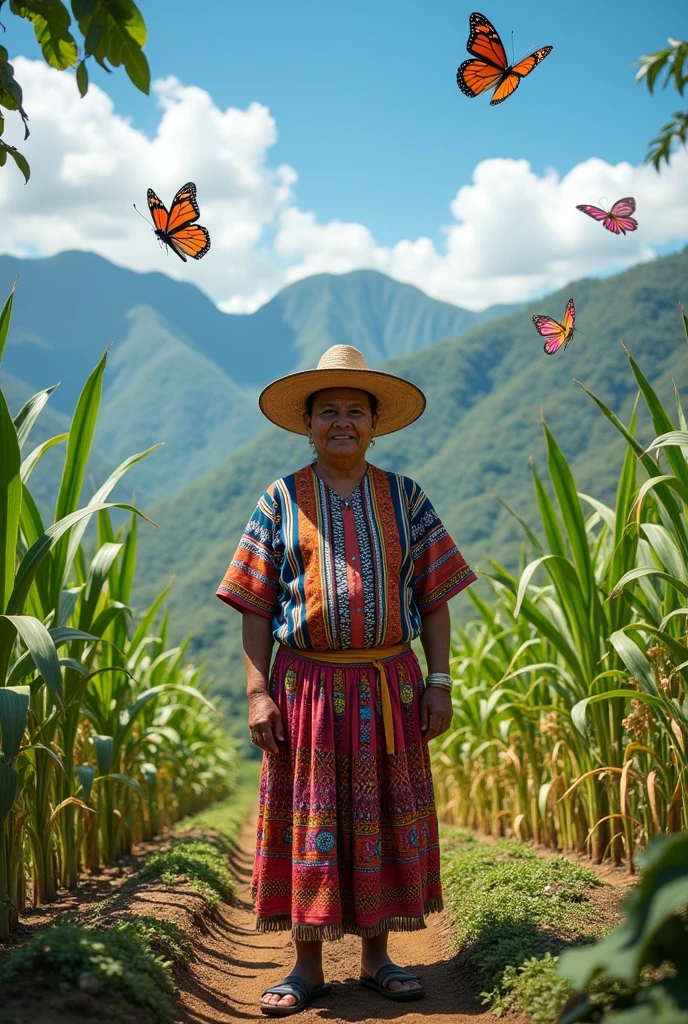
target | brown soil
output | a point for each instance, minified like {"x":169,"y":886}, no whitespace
{"x":236,"y":963}
{"x":233,"y":963}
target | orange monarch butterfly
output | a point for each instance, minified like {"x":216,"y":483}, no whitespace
{"x":490,"y":66}
{"x":176,"y":228}
{"x":556,"y":334}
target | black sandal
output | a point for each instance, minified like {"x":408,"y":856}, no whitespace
{"x":388,"y":973}
{"x":296,"y":986}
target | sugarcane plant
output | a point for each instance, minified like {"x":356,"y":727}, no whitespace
{"x":106,"y":733}
{"x":571,"y":717}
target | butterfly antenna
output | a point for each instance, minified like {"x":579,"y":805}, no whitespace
{"x":139,"y":212}
{"x":513,"y":58}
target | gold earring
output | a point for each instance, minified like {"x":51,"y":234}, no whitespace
{"x":372,"y":441}
{"x":310,"y":440}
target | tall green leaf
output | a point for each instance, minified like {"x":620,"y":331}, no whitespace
{"x":29,"y":413}
{"x":78,"y":450}
{"x":571,"y":513}
{"x":39,"y":644}
{"x":5,"y":317}
{"x":34,"y":457}
{"x":98,"y":498}
{"x":98,"y":574}
{"x":46,"y":542}
{"x":8,"y":788}
{"x":10,"y":502}
{"x":14,"y":709}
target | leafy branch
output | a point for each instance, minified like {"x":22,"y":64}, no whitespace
{"x":673,"y":60}
{"x":112,"y":32}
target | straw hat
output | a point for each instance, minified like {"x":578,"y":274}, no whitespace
{"x":342,"y":366}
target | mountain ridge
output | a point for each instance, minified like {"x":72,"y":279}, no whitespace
{"x":182,"y":371}
{"x":485,"y":391}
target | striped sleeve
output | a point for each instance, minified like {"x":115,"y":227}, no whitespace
{"x":439,"y":569}
{"x":251,"y":582}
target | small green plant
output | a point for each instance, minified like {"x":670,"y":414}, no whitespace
{"x":202,"y":862}
{"x":534,"y":988}
{"x":510,"y":906}
{"x":648,"y":953}
{"x":121,"y":959}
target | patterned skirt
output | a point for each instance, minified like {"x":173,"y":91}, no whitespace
{"x":347,"y":833}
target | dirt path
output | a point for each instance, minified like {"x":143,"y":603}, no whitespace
{"x":235,"y":963}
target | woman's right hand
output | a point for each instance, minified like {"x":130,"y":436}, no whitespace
{"x":265,"y":722}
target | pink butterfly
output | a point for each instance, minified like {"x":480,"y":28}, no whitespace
{"x":556,"y":334}
{"x":618,"y":220}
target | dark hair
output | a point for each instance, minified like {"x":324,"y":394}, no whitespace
{"x":371,"y":398}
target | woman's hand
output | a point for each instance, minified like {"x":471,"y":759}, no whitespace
{"x":435,"y":712}
{"x":265,"y":722}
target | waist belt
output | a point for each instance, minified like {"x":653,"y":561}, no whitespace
{"x":375,"y":656}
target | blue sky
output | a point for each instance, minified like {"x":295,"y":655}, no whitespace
{"x":367,"y":112}
{"x":365,"y":99}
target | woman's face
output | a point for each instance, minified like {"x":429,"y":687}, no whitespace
{"x":341,"y":424}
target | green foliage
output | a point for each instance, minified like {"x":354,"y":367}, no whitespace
{"x":535,"y":988}
{"x":111,"y":31}
{"x":649,"y":951}
{"x":106,"y":733}
{"x":202,"y":862}
{"x":510,"y":907}
{"x":673,"y":60}
{"x":165,"y":937}
{"x":121,"y":958}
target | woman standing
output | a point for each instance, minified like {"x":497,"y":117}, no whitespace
{"x":343,"y":564}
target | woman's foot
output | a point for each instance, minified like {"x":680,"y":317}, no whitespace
{"x":369,"y":970}
{"x":373,"y":955}
{"x":308,"y":966}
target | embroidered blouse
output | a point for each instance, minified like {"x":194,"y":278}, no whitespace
{"x":334,"y":573}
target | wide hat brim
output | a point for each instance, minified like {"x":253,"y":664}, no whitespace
{"x":399,"y":401}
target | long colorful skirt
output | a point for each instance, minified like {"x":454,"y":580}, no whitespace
{"x":347,"y":833}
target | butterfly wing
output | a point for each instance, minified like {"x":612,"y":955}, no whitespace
{"x":621,"y":212}
{"x":484,"y":42}
{"x":184,"y":209}
{"x":505,"y":88}
{"x":525,"y":66}
{"x":623,"y":207}
{"x":475,"y":76}
{"x":569,"y":320}
{"x":158,"y":211}
{"x":191,"y":240}
{"x":516,"y":73}
{"x":593,"y":211}
{"x":552,"y":331}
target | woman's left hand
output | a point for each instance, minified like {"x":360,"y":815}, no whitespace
{"x":435,"y":712}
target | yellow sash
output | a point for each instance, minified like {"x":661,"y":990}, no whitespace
{"x":375,"y":656}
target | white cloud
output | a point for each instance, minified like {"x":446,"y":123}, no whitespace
{"x":512,"y":234}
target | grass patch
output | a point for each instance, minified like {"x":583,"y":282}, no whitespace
{"x":164,"y":937}
{"x":513,"y":912}
{"x":201,"y":862}
{"x":121,"y":959}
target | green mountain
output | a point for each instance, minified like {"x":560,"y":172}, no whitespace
{"x":160,"y":389}
{"x":486,"y":391}
{"x":180,"y":370}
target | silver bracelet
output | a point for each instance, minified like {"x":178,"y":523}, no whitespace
{"x":441,"y":679}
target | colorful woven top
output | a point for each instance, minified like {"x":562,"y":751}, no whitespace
{"x":334,"y":573}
